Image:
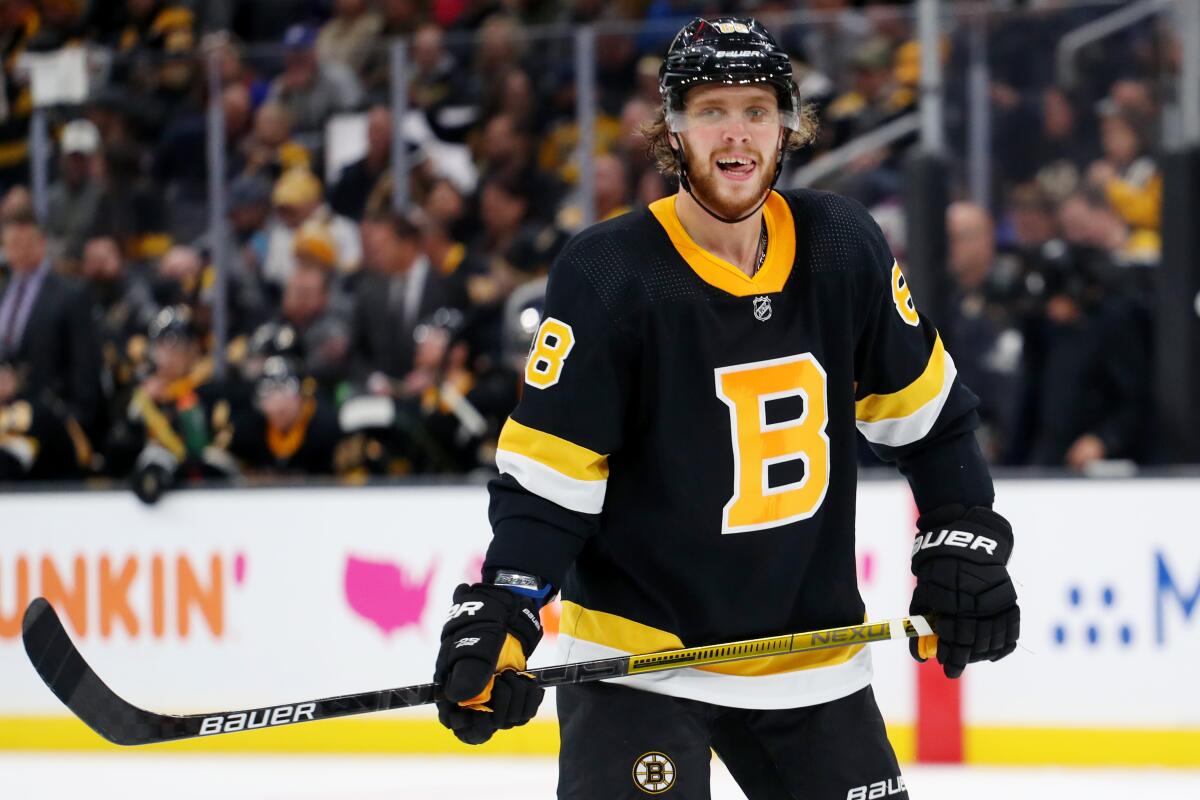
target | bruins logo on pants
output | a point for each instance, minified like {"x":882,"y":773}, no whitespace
{"x":654,"y":773}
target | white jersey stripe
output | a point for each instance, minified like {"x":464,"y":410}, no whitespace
{"x":572,"y":493}
{"x":906,"y":430}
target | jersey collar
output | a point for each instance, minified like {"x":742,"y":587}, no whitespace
{"x":716,"y":271}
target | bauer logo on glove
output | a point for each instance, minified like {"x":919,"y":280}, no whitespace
{"x":949,"y":538}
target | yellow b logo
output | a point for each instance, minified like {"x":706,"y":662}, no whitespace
{"x":759,"y":444}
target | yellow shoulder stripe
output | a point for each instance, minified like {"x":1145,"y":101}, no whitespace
{"x":897,"y":405}
{"x":635,"y":638}
{"x":554,"y":452}
{"x":714,"y":270}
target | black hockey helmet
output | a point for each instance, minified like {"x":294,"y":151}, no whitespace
{"x":274,"y":339}
{"x":173,"y":324}
{"x":280,"y":373}
{"x":737,"y":51}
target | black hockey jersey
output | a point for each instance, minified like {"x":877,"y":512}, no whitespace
{"x":683,"y":458}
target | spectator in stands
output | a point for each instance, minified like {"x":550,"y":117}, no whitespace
{"x":397,"y":290}
{"x":499,"y":49}
{"x":503,"y":211}
{"x":183,"y":154}
{"x":1127,"y":174}
{"x":400,"y":18}
{"x":558,"y":153}
{"x":35,"y":438}
{"x":122,"y":302}
{"x":875,"y":98}
{"x":526,"y":257}
{"x":1133,"y":97}
{"x":348,"y":196}
{"x":141,"y":24}
{"x":123,"y":307}
{"x":288,"y":429}
{"x":177,"y":414}
{"x":1060,"y":153}
{"x":350,"y":35}
{"x":449,"y":257}
{"x":1085,"y":364}
{"x":231,"y":67}
{"x":179,"y":277}
{"x":1031,"y":223}
{"x":244,"y":240}
{"x":635,"y":114}
{"x":610,"y":194}
{"x":270,"y":149}
{"x":447,"y":411}
{"x":298,"y":199}
{"x":651,"y":186}
{"x":322,"y":331}
{"x":505,"y":147}
{"x":1088,"y":220}
{"x":77,"y":201}
{"x":312,"y":90}
{"x":17,"y":202}
{"x":977,"y":327}
{"x":514,"y":95}
{"x":447,"y":207}
{"x":19,"y":23}
{"x":504,"y":144}
{"x":612,"y":187}
{"x":155,"y":42}
{"x":47,"y":339}
{"x":245,"y":231}
{"x":181,"y":162}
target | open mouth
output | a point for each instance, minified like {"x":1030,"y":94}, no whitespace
{"x":737,"y":167}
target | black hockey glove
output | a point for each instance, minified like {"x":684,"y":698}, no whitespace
{"x":490,"y":630}
{"x":960,"y":558}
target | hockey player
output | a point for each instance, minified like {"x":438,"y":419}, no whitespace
{"x":681,"y":466}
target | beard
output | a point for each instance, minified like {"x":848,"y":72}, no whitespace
{"x":726,"y":198}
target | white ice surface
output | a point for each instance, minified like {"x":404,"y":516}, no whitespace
{"x":137,"y":775}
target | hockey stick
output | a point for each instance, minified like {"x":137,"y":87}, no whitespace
{"x":63,"y":669}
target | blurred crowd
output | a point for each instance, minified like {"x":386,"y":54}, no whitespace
{"x":362,"y":336}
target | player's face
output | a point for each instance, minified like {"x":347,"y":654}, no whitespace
{"x":173,"y":358}
{"x":281,"y":406}
{"x":732,"y":140}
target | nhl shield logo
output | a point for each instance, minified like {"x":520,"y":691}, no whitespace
{"x":762,"y":308}
{"x":654,"y":773}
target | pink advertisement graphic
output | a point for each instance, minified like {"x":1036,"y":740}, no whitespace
{"x":386,"y":594}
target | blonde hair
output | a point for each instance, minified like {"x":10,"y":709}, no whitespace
{"x":662,"y":150}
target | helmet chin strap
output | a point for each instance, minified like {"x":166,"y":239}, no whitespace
{"x":687,"y":185}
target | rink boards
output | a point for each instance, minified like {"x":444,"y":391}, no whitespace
{"x":225,"y":599}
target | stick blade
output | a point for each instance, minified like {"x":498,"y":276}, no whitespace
{"x":64,"y":671}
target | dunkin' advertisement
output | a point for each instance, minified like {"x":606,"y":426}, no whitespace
{"x":219,"y":600}
{"x":215,"y":600}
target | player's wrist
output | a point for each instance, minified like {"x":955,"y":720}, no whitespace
{"x":522,"y":584}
